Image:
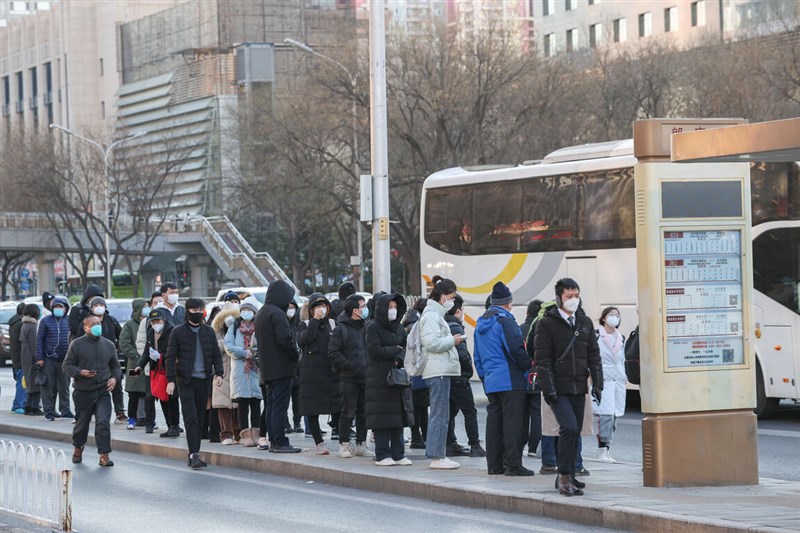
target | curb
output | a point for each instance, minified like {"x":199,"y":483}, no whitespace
{"x":460,"y":493}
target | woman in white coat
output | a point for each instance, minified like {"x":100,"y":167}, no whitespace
{"x":612,"y":353}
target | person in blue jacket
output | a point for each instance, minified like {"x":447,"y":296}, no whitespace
{"x":503,"y":365}
{"x":51,"y":349}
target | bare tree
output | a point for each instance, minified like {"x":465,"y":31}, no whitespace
{"x":10,"y":262}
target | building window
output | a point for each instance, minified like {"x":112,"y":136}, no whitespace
{"x":569,"y":5}
{"x":572,"y":40}
{"x":549,"y":7}
{"x":620,"y":30}
{"x":671,"y":19}
{"x":645,"y":24}
{"x":699,"y":13}
{"x":550,"y":45}
{"x":20,"y":93}
{"x":593,"y":2}
{"x":595,"y":34}
{"x":103,"y":109}
{"x":102,"y":70}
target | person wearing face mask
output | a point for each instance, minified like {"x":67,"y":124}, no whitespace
{"x":612,"y":405}
{"x":52,"y":342}
{"x":440,"y":345}
{"x":278,"y":357}
{"x":159,"y":329}
{"x":348,"y":354}
{"x":222,"y":422}
{"x":385,"y":405}
{"x":82,"y":310}
{"x":141,"y":335}
{"x":92,"y":363}
{"x":319,"y":384}
{"x":565,"y":354}
{"x":169,"y":293}
{"x":192,"y":360}
{"x":294,"y":321}
{"x":461,"y":398}
{"x":241,"y":351}
{"x":134,"y":383}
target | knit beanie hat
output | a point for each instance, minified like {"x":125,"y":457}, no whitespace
{"x":500,"y":294}
{"x":97,"y":300}
{"x":250,"y":303}
{"x":229,"y":296}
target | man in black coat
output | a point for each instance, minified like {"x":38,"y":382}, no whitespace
{"x":192,"y":355}
{"x":566,"y":353}
{"x":461,"y":397}
{"x":346,"y":290}
{"x":14,"y":330}
{"x":278,"y":356}
{"x":348,"y":353}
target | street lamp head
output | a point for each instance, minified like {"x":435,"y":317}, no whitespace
{"x":297,"y":44}
{"x":139,"y":134}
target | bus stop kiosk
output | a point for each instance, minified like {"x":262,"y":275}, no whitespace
{"x":695,"y":304}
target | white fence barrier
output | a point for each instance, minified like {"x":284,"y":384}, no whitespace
{"x":36,"y":484}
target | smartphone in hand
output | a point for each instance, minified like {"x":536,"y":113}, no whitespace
{"x":134,"y":372}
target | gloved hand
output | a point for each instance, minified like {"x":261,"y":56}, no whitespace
{"x":597,"y":394}
{"x":550,"y":398}
{"x":154,"y":355}
{"x":229,"y":320}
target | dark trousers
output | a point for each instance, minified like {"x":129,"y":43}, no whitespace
{"x":314,"y":429}
{"x":461,"y":399}
{"x":118,"y":398}
{"x":171,"y":410}
{"x":568,"y":410}
{"x":248,"y":411}
{"x":134,"y":398}
{"x":389,"y":443}
{"x":504,"y":430}
{"x":532,"y":418}
{"x":353,"y":406}
{"x":264,"y":421}
{"x":279,"y":392}
{"x":95,"y":403}
{"x":57,"y":384}
{"x":296,"y":417}
{"x":421,"y":400}
{"x":194,"y":397}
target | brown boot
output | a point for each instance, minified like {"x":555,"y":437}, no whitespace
{"x":565,"y":486}
{"x":105,"y":461}
{"x":77,"y":455}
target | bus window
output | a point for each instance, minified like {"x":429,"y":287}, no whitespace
{"x":609,"y":215}
{"x":497,"y":216}
{"x":775,"y":191}
{"x":448,"y":219}
{"x":776,"y":265}
{"x":549,"y":214}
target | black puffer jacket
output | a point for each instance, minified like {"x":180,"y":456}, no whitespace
{"x":567,"y":374}
{"x":160,"y":345}
{"x":78,"y":312}
{"x":277,"y":350}
{"x":319,"y":384}
{"x":14,"y":331}
{"x":464,"y":358}
{"x":386,"y":343}
{"x":181,"y":350}
{"x":347,"y":350}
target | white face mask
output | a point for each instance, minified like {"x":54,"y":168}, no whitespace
{"x":231,"y":305}
{"x":448,"y":304}
{"x":392,"y":315}
{"x":290,"y":312}
{"x":572,"y":304}
{"x":158,"y":328}
{"x":247,"y":315}
{"x":99,"y":310}
{"x":172,"y":299}
{"x":612,"y":320}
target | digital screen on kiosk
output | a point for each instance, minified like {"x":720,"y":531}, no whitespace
{"x":703,"y":298}
{"x":701,"y":199}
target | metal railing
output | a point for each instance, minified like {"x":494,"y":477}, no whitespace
{"x":36,"y":484}
{"x":236,"y":260}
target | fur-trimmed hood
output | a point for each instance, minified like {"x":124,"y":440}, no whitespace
{"x":219,"y":321}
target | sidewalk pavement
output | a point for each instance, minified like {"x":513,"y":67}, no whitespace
{"x":614,"y":497}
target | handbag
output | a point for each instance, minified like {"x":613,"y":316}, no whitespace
{"x":41,"y":378}
{"x":158,"y":382}
{"x":398,"y":377}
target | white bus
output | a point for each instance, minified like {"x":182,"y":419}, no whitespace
{"x":572,"y":214}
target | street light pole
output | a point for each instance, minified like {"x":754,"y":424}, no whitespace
{"x":106,"y":155}
{"x":356,"y":167}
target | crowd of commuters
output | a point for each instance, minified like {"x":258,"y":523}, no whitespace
{"x":231,"y":377}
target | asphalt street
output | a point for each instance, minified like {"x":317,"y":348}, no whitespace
{"x":149,"y":494}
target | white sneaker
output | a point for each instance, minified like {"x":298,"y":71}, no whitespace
{"x":444,"y":464}
{"x":322,"y":449}
{"x":404,"y":462}
{"x":385,"y":462}
{"x":344,"y":451}
{"x":262,"y":441}
{"x":227,"y":442}
{"x":604,"y":456}
{"x":362,"y":451}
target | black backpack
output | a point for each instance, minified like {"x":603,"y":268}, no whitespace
{"x":632,"y":369}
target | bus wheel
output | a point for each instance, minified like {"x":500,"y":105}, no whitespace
{"x":765,"y":407}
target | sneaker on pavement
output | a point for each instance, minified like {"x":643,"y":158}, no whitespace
{"x":344,"y":450}
{"x":532,"y":453}
{"x":604,"y":455}
{"x":417,"y":444}
{"x":227,"y":442}
{"x":476,"y":450}
{"x":66,"y":414}
{"x":363,"y":451}
{"x":131,"y":423}
{"x":171,"y":433}
{"x":195,"y":462}
{"x":322,"y":449}
{"x":403,"y":462}
{"x":149,"y":428}
{"x":18,"y":411}
{"x":456,"y":450}
{"x":286,"y":448}
{"x":385,"y":462}
{"x":518,"y":471}
{"x":121,"y":418}
{"x":582,"y":472}
{"x":444,"y":464}
{"x":548,"y":469}
{"x":50,"y":416}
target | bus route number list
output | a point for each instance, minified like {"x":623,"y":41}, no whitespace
{"x":703,"y":298}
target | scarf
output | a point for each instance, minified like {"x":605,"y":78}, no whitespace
{"x":247,"y":329}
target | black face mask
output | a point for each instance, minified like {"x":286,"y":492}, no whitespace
{"x":194,"y":317}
